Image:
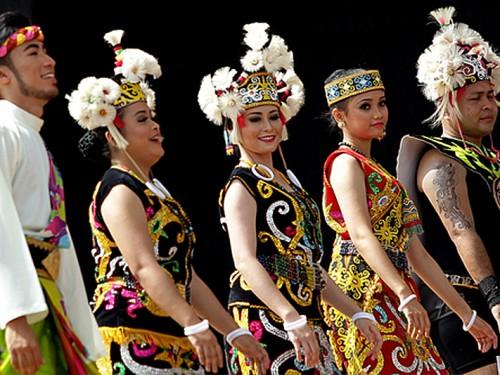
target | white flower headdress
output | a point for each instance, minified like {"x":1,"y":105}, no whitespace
{"x":458,"y":56}
{"x":96,"y":100}
{"x":268,"y":78}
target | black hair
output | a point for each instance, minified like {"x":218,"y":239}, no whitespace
{"x":342,"y":105}
{"x":93,"y":145}
{"x":10,"y":22}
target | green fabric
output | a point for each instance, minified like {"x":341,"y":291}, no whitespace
{"x":52,"y":353}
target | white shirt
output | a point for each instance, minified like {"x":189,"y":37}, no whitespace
{"x":25,"y":209}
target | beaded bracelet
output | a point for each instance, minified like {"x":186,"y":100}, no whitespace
{"x":196,"y":328}
{"x":299,"y":323}
{"x":363,"y":315}
{"x":231,"y":336}
{"x":406,"y":301}
{"x":472,"y":320}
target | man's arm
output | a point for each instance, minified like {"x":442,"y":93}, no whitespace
{"x":443,"y":181}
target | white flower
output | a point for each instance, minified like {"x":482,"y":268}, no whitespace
{"x":136,"y":64}
{"x":74,"y":105}
{"x":256,"y":35}
{"x":276,"y":56}
{"x":87,"y":84}
{"x":208,"y":101}
{"x":223,"y":78}
{"x":109,"y":90}
{"x":114,"y":37}
{"x":101,"y":114}
{"x":252,"y":61}
{"x":230,"y":104}
{"x":150,"y":96}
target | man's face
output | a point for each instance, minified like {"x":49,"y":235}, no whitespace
{"x":479,"y":110}
{"x":34,"y":71}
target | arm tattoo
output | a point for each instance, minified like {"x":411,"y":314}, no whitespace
{"x":447,"y":199}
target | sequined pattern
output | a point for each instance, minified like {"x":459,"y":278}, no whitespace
{"x":394,"y":220}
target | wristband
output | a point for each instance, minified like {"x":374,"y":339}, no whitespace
{"x":299,"y":323}
{"x":472,"y":320}
{"x":406,"y":301}
{"x":490,"y":290}
{"x":363,"y":315}
{"x":196,"y":328}
{"x":231,"y":336}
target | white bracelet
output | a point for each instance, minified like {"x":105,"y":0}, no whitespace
{"x":299,"y":323}
{"x":196,"y":328}
{"x":231,"y":336}
{"x":472,"y":320}
{"x":406,"y":301}
{"x":363,"y":315}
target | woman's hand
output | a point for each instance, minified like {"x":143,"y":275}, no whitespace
{"x":419,"y":325}
{"x":484,"y":335}
{"x":369,"y":329}
{"x":306,"y":345}
{"x":252,"y":350}
{"x":208,"y":350}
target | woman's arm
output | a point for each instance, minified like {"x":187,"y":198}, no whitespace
{"x":125,"y":218}
{"x":430,"y":272}
{"x":348,"y":181}
{"x":241,"y":210}
{"x":207,"y":305}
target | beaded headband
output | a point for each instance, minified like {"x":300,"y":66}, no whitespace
{"x":354,"y":84}
{"x":21,"y":36}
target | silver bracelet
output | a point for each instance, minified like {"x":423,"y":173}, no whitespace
{"x":196,"y":328}
{"x":231,"y":336}
{"x":299,"y":323}
{"x":363,"y":315}
{"x":472,"y":320}
{"x":406,"y":301}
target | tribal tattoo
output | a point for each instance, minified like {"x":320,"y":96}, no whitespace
{"x":447,"y":199}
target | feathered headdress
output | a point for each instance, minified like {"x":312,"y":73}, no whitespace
{"x":267,"y":78}
{"x":458,"y":56}
{"x":96,"y":100}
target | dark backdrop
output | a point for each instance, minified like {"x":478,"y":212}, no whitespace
{"x":193,"y":40}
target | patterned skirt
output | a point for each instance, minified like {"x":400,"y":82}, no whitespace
{"x":267,"y":328}
{"x":134,"y":352}
{"x":400,"y":354}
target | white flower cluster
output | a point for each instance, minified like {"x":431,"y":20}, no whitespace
{"x":439,"y":68}
{"x":91,"y":104}
{"x":219,"y":97}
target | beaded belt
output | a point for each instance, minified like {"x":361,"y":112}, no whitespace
{"x":464,"y":281}
{"x":398,"y":259}
{"x":292,"y":270}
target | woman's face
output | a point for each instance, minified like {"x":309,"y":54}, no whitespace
{"x":261,"y":133}
{"x":366,"y":115}
{"x":142,"y":133}
{"x":478,"y":107}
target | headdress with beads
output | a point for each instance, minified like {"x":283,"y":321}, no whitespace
{"x":351,"y":85}
{"x":19,"y":37}
{"x":267,"y":78}
{"x":458,"y":56}
{"x":96,"y":101}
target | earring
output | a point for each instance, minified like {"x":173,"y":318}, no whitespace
{"x":382,"y":136}
{"x":341,"y":124}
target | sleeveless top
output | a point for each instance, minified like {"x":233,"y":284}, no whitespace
{"x":393,"y":214}
{"x":289,"y":244}
{"x":123,"y":309}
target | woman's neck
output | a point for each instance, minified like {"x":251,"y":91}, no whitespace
{"x":363,"y":145}
{"x":266,"y":159}
{"x":125,"y":161}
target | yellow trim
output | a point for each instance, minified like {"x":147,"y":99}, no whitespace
{"x":125,"y":335}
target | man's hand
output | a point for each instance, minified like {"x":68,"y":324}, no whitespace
{"x":23,"y":346}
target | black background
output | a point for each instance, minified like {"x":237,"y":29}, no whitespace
{"x":192,"y":40}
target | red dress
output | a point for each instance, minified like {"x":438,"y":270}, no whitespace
{"x":394,"y":220}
